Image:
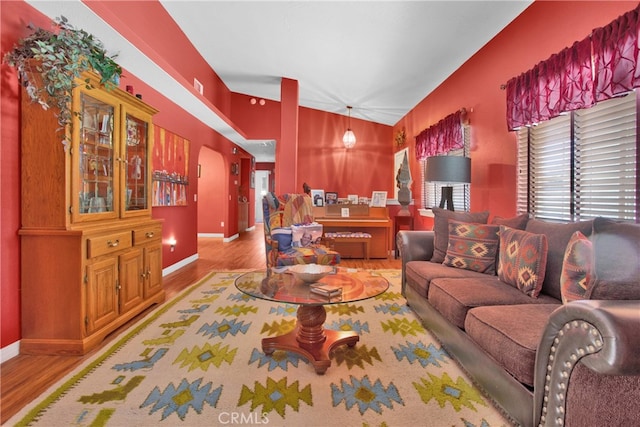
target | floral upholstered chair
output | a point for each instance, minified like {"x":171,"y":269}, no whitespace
{"x":291,"y":236}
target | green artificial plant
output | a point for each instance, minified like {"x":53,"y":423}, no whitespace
{"x":49,"y":62}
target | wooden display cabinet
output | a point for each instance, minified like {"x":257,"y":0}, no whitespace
{"x":91,"y":255}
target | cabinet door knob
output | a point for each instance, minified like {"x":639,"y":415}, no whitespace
{"x":149,"y":234}
{"x":113,"y":244}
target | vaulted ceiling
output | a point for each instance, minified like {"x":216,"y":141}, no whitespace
{"x":381,"y":57}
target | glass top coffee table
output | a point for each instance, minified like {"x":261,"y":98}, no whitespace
{"x":309,"y":338}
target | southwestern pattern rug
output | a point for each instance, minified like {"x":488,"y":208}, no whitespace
{"x":197,"y":360}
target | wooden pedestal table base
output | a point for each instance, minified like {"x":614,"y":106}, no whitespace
{"x":310,"y":339}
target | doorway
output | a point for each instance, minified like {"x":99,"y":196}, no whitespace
{"x":262,"y":188}
{"x":212,"y":203}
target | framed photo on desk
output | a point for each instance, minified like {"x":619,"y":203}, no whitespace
{"x":379,"y":199}
{"x":318,"y":197}
{"x":331,"y":198}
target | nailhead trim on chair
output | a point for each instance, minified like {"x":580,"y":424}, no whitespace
{"x":562,"y":359}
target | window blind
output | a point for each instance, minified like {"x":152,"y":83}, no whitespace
{"x":581,"y":165}
{"x":606,"y":156}
{"x":550,"y":169}
{"x":522,"y":200}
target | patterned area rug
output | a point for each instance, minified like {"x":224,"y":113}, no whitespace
{"x":197,"y":361}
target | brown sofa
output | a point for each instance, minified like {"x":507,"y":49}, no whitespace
{"x":541,"y":361}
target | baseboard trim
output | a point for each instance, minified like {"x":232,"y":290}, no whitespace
{"x":229,"y":239}
{"x":208,"y":235}
{"x":219,"y":235}
{"x":10,"y":351}
{"x":178,"y":265}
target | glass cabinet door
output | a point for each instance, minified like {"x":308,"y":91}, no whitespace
{"x":136,"y":161}
{"x":96,"y":157}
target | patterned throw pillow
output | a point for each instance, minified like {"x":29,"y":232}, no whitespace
{"x":441,"y":218}
{"x":577,"y":268}
{"x":472,"y":246}
{"x":305,"y":235}
{"x":522,"y":259}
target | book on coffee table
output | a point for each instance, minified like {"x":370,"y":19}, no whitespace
{"x":326,"y":298}
{"x":325,"y":290}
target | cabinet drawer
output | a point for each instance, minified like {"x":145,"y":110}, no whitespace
{"x":103,"y":245}
{"x":145,"y":235}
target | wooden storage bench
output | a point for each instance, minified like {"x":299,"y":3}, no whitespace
{"x":351,"y":237}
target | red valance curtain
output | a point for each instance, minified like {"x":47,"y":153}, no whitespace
{"x":563,"y":82}
{"x":444,"y":136}
{"x":594,"y":69}
{"x":615,"y":56}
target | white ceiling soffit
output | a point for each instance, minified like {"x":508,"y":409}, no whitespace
{"x":136,"y":62}
{"x":264,"y":150}
{"x":381,"y":57}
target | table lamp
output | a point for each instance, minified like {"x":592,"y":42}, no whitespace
{"x":447,"y":170}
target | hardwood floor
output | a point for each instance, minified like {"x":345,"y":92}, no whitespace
{"x":24,"y":377}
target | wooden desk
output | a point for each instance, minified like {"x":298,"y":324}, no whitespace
{"x":374,"y":221}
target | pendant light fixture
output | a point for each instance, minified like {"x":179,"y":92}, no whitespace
{"x":349,"y":138}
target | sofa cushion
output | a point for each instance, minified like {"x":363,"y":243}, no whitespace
{"x":419,"y":274}
{"x":441,"y":228}
{"x":522,"y":259}
{"x":558,"y":236}
{"x":617,"y":260}
{"x":453,"y":298}
{"x":518,"y":222}
{"x":472,"y":246}
{"x":510,"y":334}
{"x":577,"y":268}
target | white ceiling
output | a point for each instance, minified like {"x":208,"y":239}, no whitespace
{"x":381,"y":57}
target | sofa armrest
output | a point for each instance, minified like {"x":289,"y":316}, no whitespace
{"x":414,"y":245}
{"x":603,"y":335}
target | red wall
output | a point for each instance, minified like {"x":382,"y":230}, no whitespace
{"x":14,"y":18}
{"x":159,"y":37}
{"x":257,"y":121}
{"x":179,"y":222}
{"x":324,"y":162}
{"x":541,"y":30}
